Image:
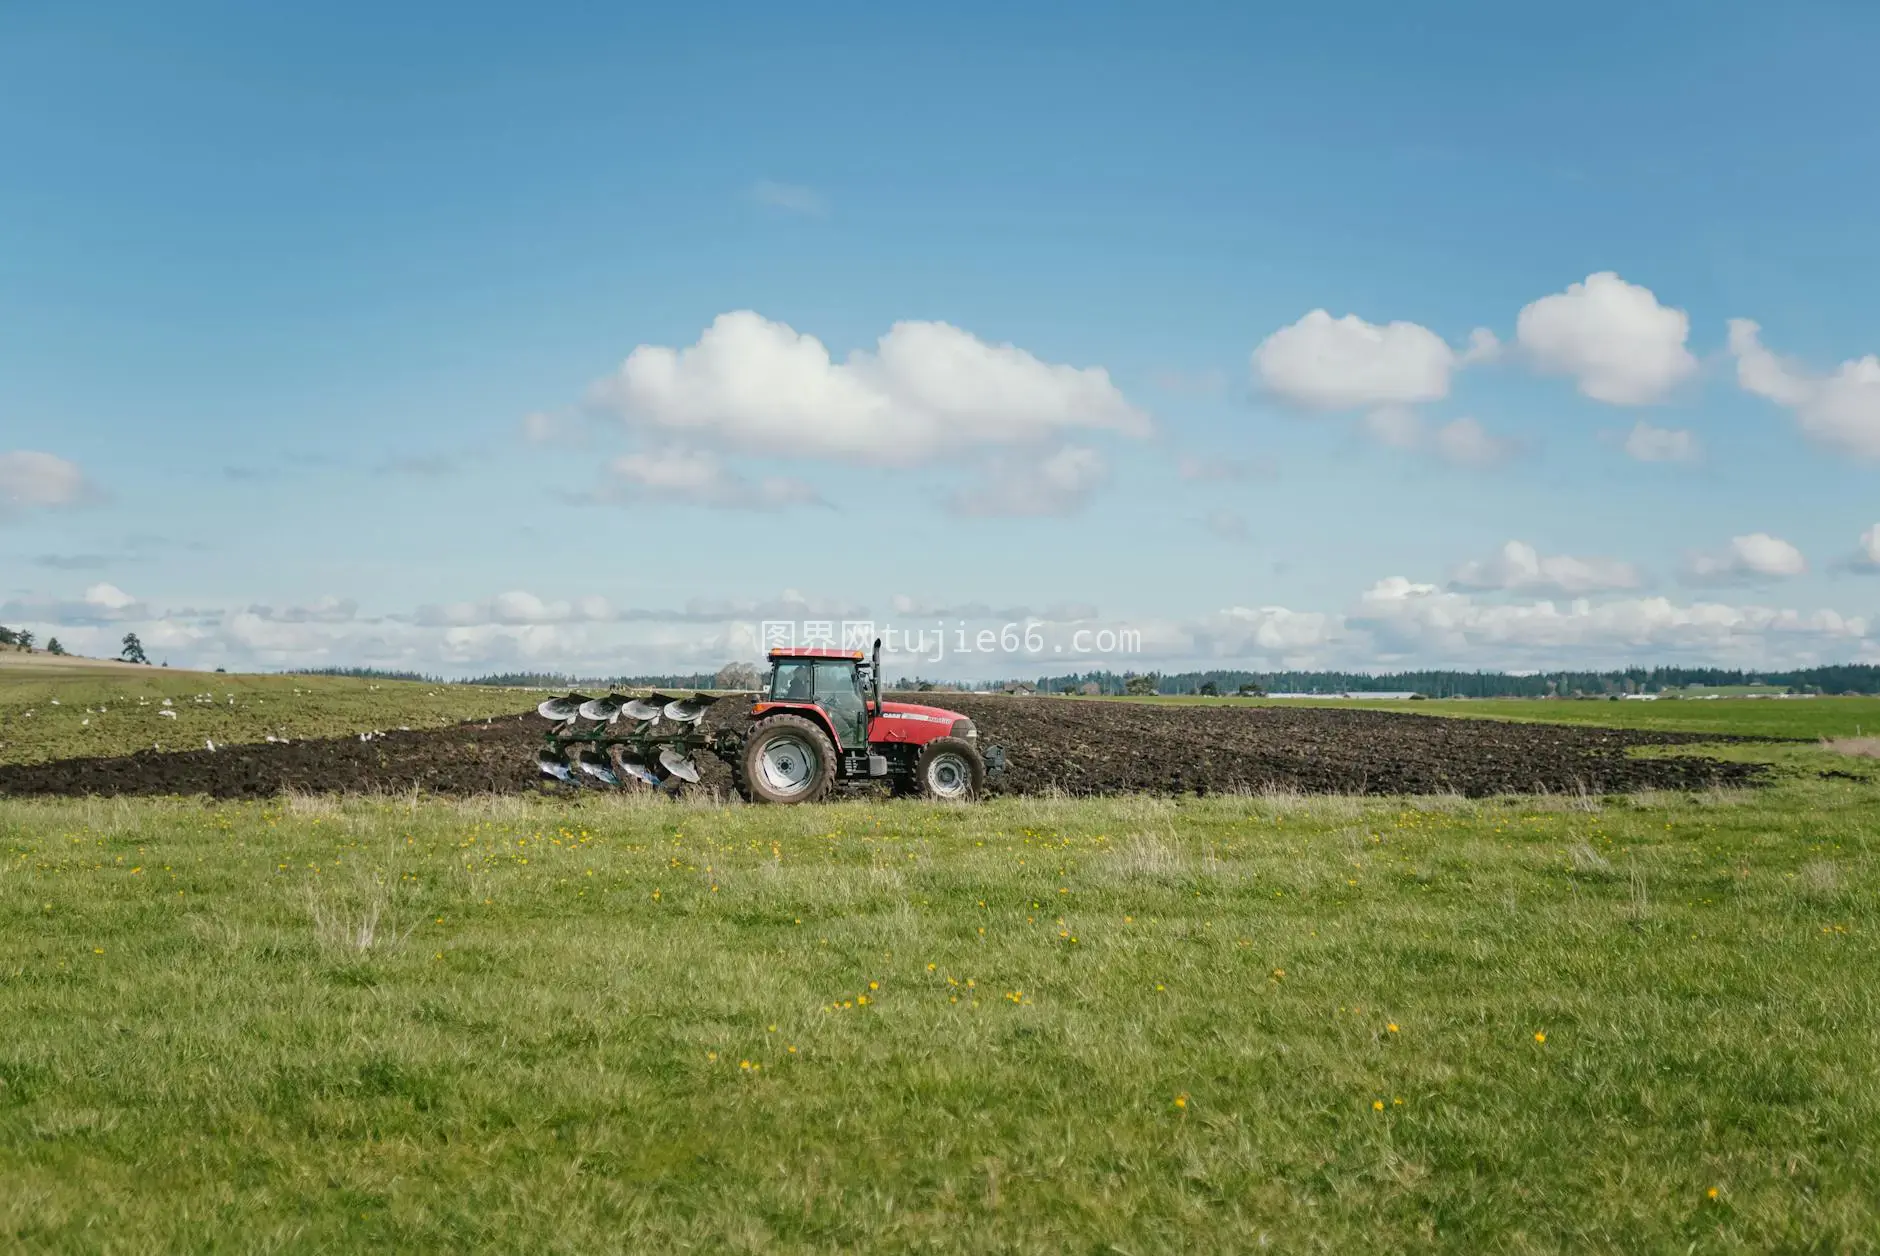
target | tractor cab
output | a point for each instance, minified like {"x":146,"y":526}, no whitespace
{"x":830,"y":680}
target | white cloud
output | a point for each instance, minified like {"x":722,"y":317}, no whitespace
{"x":1326,"y":363}
{"x":1266,"y":635}
{"x":1757,"y":556}
{"x":1058,"y":484}
{"x":1396,"y":426}
{"x":326,"y":610}
{"x":1866,"y":558}
{"x":699,"y":478}
{"x":791,"y":196}
{"x":1613,"y":337}
{"x":1466,"y":443}
{"x":512,"y":609}
{"x":1520,"y":568}
{"x":1418,"y":621}
{"x":928,"y":390}
{"x":1661,"y":444}
{"x":30,"y":480}
{"x":1461,"y":442}
{"x":108,"y":597}
{"x":1483,"y":347}
{"x":1841,"y":411}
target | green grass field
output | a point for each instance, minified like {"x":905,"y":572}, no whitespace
{"x":1750,"y":717}
{"x":1036,"y":1025}
{"x":57,"y":709}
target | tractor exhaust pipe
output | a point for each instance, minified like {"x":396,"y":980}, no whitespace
{"x":877,"y":678}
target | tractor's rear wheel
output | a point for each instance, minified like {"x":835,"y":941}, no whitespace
{"x":950,"y":770}
{"x":786,"y":759}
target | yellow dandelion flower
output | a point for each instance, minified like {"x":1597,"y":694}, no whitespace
{"x":1181,"y":1100}
{"x":1377,"y":1105}
{"x":874,"y":985}
{"x":1392,"y":1027}
{"x":1540,"y":1037}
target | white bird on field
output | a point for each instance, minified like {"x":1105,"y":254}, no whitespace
{"x":210,"y":742}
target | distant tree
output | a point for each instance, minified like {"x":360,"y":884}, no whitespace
{"x":1140,"y":686}
{"x":8,"y":636}
{"x":25,"y":639}
{"x":1209,"y":689}
{"x":1070,"y":689}
{"x":736,"y":676}
{"x":133,"y":651}
{"x":1090,"y":689}
{"x":53,"y":646}
{"x":1251,"y":690}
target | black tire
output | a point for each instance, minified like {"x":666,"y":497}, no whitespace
{"x":786,"y":759}
{"x":950,"y":769}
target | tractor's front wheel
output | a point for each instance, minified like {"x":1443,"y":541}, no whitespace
{"x":786,"y":759}
{"x":950,"y":770}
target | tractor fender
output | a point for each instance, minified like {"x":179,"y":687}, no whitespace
{"x":808,"y":710}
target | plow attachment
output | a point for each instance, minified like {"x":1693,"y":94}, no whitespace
{"x":632,"y":743}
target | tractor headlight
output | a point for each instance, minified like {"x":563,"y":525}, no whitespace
{"x":964,"y":728}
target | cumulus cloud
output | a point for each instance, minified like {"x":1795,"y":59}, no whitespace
{"x":101,"y":603}
{"x":30,"y":480}
{"x":1747,"y":559}
{"x":1404,"y":619}
{"x":1841,"y":411}
{"x":1058,"y":484}
{"x":1520,"y":568}
{"x":940,"y":608}
{"x":1661,"y":444}
{"x":1461,"y":442}
{"x":1326,"y":363}
{"x":1614,"y":338}
{"x":326,"y":610}
{"x":928,"y":390}
{"x":793,"y":197}
{"x":1266,"y":635}
{"x":1466,"y":443}
{"x":1866,"y":557}
{"x":514,"y":608}
{"x":700,"y":479}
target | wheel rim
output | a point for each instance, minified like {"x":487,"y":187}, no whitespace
{"x":949,"y":777}
{"x":787,"y":764}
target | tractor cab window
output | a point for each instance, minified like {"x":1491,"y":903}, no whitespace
{"x":839,"y":692}
{"x":794,"y":681}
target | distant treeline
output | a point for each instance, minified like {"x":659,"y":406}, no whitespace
{"x":554,"y":680}
{"x":1840,"y":678}
{"x":522,"y":680}
{"x":367,"y":673}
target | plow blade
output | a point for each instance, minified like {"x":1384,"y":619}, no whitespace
{"x":561,"y":710}
{"x":602,"y":710}
{"x":679,"y":765}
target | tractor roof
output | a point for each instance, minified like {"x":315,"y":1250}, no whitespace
{"x":812,"y":652}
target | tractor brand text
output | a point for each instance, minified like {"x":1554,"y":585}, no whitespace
{"x":933,"y":644}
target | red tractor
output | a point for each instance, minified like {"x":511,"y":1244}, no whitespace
{"x":821,"y":720}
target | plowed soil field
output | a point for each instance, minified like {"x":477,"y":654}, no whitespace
{"x":1075,"y":746}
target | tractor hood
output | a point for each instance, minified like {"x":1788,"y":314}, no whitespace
{"x":914,"y":713}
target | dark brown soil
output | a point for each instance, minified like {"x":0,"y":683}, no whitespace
{"x":1076,"y":746}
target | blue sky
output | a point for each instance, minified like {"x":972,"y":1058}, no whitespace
{"x":318,"y":331}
